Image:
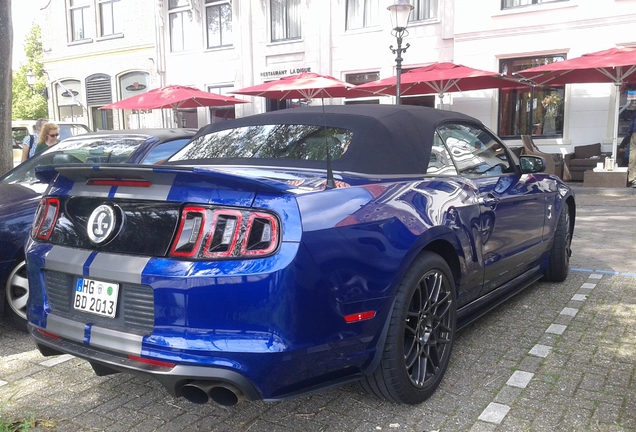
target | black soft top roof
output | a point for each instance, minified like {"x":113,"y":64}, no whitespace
{"x":387,"y":139}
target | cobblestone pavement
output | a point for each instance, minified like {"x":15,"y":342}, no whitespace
{"x":557,"y":357}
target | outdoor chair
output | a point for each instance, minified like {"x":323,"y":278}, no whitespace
{"x":584,"y":158}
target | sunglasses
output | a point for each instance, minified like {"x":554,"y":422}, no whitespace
{"x":54,"y":135}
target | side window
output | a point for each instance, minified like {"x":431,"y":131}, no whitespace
{"x":474,"y":150}
{"x":164,"y":150}
{"x":440,"y":161}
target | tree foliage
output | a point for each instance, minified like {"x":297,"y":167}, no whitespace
{"x":28,"y":105}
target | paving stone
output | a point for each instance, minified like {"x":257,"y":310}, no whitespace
{"x":508,"y":395}
{"x":494,"y":413}
{"x":520,"y":379}
{"x":540,"y":350}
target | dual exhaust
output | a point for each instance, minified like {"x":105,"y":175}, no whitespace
{"x":202,"y":392}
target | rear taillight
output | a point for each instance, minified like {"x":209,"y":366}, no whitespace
{"x":225,"y":233}
{"x":261,"y":230}
{"x":190,"y":232}
{"x":45,"y":218}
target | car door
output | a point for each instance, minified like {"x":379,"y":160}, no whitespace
{"x":512,"y":207}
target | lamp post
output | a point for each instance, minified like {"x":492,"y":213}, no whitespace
{"x":30,"y":77}
{"x":400,"y":11}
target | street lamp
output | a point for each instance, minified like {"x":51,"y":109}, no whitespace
{"x":30,"y":77}
{"x":400,"y":11}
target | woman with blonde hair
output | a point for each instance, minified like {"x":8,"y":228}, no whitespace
{"x":48,"y":137}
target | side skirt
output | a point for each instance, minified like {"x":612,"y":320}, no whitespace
{"x":476,"y":309}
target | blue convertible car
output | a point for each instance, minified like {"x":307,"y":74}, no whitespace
{"x":290,"y":251}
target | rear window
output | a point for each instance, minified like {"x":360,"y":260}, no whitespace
{"x":283,"y":141}
{"x":114,"y":149}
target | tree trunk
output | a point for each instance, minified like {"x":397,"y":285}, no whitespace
{"x":6,"y":54}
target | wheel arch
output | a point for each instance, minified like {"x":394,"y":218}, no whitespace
{"x":448,"y":252}
{"x":445,"y":245}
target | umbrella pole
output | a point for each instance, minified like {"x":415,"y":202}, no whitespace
{"x":617,"y":103}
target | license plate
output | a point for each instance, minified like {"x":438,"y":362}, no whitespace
{"x":97,"y":297}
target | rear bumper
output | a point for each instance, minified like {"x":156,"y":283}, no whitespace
{"x":171,"y":378}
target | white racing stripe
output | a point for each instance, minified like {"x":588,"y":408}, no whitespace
{"x":117,"y":341}
{"x":66,"y":260}
{"x":118,"y":268}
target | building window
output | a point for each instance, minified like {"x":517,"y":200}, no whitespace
{"x":109,"y":17}
{"x":218,"y":114}
{"x":219,"y":23}
{"x":532,"y":110}
{"x":179,"y":17}
{"x":362,"y":14}
{"x":78,"y":14}
{"x":423,"y":10}
{"x":68,"y":96}
{"x":131,"y":84}
{"x":362,"y":78}
{"x":285,"y":19}
{"x":509,"y":4}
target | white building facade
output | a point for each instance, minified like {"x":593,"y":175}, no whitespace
{"x":111,"y":49}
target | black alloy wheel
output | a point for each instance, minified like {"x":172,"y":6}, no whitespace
{"x":421,"y":334}
{"x":558,"y":266}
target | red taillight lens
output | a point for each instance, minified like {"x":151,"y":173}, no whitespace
{"x":48,"y":334}
{"x":225,"y":233}
{"x":190,"y":232}
{"x":152,"y":362}
{"x":262,"y":229}
{"x":45,"y":218}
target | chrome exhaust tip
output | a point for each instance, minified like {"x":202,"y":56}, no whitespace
{"x":226,"y":395}
{"x":202,"y":392}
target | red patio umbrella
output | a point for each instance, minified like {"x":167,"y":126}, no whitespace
{"x":175,"y":97}
{"x":306,"y":85}
{"x":441,"y":78}
{"x":614,"y":65}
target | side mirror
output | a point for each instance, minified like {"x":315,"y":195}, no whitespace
{"x":531,"y":164}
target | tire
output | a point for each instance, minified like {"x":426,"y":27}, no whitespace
{"x":16,"y":295}
{"x":420,"y":336}
{"x":559,"y":262}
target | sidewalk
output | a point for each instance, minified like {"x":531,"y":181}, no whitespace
{"x":557,"y":357}
{"x":579,"y":189}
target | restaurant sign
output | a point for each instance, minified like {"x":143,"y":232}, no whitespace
{"x":283,"y":72}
